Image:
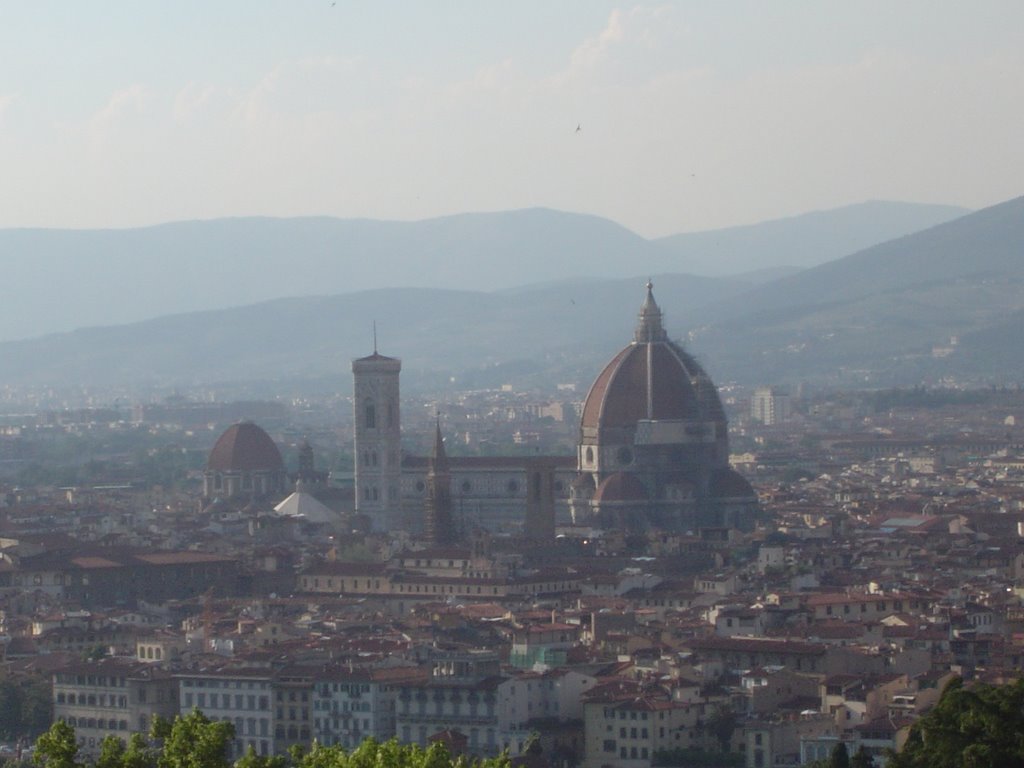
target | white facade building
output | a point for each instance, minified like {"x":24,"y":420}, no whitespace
{"x":241,"y":697}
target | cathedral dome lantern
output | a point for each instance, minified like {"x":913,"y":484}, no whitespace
{"x":649,"y":327}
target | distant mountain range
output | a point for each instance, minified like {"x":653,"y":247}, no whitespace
{"x":555,"y":332}
{"x":802,"y":241}
{"x":882,"y":316}
{"x":946,"y":301}
{"x":59,"y":280}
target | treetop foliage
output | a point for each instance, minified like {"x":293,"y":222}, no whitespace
{"x":977,"y":726}
{"x":195,"y":741}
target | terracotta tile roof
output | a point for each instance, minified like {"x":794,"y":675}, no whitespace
{"x":244,"y":447}
{"x":95,"y":562}
{"x":338,"y":568}
{"x":753,"y":645}
{"x":619,"y":395}
{"x":182,"y":558}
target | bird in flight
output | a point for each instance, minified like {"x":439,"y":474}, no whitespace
{"x":578,"y":128}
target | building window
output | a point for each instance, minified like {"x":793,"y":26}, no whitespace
{"x":369,"y":414}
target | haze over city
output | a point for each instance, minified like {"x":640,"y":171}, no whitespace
{"x":511,"y":384}
{"x":664,"y":117}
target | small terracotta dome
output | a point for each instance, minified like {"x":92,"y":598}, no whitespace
{"x":244,"y":447}
{"x":621,"y":486}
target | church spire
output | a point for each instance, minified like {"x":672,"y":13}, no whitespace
{"x":439,"y":524}
{"x":649,"y":327}
{"x":438,"y":457}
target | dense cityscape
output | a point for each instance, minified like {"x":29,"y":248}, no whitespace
{"x":650,"y":571}
{"x":584,"y":384}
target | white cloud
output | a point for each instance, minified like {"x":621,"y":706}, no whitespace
{"x":122,"y":104}
{"x":6,"y":99}
{"x":626,"y":41}
{"x":190,"y":100}
{"x":595,"y":49}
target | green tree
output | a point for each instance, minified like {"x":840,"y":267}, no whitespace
{"x":160,"y":728}
{"x":721,"y":725}
{"x":112,"y":751}
{"x":138,"y":753}
{"x":861,"y":759}
{"x":195,"y":741}
{"x":839,"y":758}
{"x":981,"y":726}
{"x":25,"y":708}
{"x":11,"y":698}
{"x":390,"y":754}
{"x":251,"y":760}
{"x":57,"y":748}
{"x":36,"y":708}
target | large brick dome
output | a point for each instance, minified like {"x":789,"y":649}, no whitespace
{"x":651,"y":380}
{"x":654,"y":445}
{"x":655,"y":381}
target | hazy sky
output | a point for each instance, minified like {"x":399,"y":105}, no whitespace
{"x":693,"y":114}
